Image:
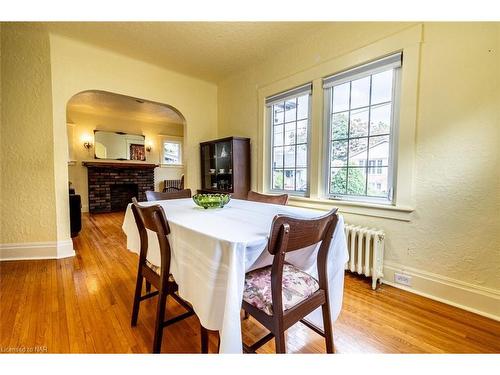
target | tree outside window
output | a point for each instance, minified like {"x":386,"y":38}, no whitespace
{"x":360,"y":136}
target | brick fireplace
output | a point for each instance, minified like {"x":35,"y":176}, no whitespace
{"x":112,"y":185}
{"x":122,"y":194}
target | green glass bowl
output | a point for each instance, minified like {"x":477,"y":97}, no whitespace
{"x":211,"y":200}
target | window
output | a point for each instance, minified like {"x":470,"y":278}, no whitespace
{"x":371,"y":165}
{"x":288,"y":115}
{"x":172,"y":151}
{"x":361,"y":104}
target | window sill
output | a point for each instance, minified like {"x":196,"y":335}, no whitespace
{"x":401,"y":213}
{"x":171,"y":165}
{"x":295,"y":194}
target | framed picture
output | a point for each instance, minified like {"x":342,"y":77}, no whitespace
{"x":137,"y":152}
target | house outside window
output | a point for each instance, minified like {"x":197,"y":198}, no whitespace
{"x":361,"y":105}
{"x":289,"y":123}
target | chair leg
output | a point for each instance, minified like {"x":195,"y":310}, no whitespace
{"x":148,"y":286}
{"x":327,"y":326}
{"x":279,"y":339}
{"x":160,"y":317}
{"x":204,"y":339}
{"x":137,"y":300}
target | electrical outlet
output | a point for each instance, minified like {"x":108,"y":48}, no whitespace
{"x":402,"y":279}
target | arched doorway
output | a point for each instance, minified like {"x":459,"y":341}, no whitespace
{"x":105,"y":126}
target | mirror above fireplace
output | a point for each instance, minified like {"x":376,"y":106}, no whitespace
{"x":119,"y":146}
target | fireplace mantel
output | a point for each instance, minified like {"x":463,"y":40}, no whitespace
{"x":111,"y":164}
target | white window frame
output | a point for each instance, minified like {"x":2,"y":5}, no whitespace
{"x":269,"y":101}
{"x":409,"y":41}
{"x":373,"y":67}
{"x":171,"y":139}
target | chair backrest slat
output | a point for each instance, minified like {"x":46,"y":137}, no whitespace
{"x":160,"y":196}
{"x":302,"y":232}
{"x":150,"y":217}
{"x":154,"y":219}
{"x":264,"y":198}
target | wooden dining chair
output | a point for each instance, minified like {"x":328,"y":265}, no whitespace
{"x":253,"y":196}
{"x":160,"y":196}
{"x":263,"y":198}
{"x":154,"y":219}
{"x":280,"y":295}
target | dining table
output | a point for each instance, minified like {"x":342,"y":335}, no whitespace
{"x":213,"y":249}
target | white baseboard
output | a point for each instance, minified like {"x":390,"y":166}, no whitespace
{"x":65,"y":249}
{"x":474,"y":298}
{"x":37,"y":250}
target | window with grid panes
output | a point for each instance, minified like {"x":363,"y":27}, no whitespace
{"x":361,"y":105}
{"x":289,"y":124}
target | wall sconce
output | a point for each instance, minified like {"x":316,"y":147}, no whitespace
{"x":87,"y":141}
{"x":149,"y":146}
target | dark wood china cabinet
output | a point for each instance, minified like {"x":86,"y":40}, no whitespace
{"x":225,"y":166}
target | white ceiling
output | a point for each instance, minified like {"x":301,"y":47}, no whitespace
{"x":206,"y":50}
{"x":101,"y":104}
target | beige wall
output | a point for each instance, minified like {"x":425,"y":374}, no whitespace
{"x":40,"y":73}
{"x":27,"y":175}
{"x":78,"y":67}
{"x":453,"y":234}
{"x":85,"y":124}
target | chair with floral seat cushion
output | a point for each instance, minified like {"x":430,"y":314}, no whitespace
{"x":297,"y":286}
{"x":280,"y":295}
{"x":281,"y":199}
{"x":153,"y":218}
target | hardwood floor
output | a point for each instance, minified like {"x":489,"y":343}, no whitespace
{"x":83,"y":305}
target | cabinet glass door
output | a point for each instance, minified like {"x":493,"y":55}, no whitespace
{"x":209,"y":166}
{"x":224,"y":165}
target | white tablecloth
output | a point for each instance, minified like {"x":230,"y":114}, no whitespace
{"x":213,"y":249}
